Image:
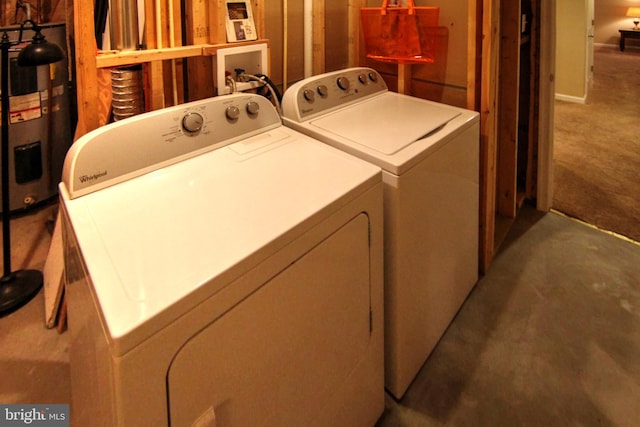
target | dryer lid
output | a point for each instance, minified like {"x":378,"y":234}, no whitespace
{"x":387,"y":123}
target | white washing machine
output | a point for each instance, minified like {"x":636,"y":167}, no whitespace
{"x":429,"y":156}
{"x":222,"y":270}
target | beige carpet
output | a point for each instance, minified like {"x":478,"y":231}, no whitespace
{"x":597,"y":151}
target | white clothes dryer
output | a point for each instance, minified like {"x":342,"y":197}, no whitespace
{"x":222,"y":270}
{"x":429,"y":154}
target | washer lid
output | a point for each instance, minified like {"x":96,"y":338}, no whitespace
{"x":386,"y":124}
{"x":156,"y":245}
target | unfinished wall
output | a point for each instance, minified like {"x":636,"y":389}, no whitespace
{"x":42,"y":11}
{"x":276,"y":29}
{"x":446,"y":79}
{"x":443,"y":81}
{"x":453,"y":17}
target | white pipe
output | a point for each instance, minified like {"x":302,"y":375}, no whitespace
{"x":141,"y":23}
{"x":172,"y":43}
{"x":285,"y":43}
{"x":308,"y":38}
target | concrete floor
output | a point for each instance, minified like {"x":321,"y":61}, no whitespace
{"x":34,"y":360}
{"x":550,"y":335}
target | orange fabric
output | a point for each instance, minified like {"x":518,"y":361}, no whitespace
{"x":399,"y":34}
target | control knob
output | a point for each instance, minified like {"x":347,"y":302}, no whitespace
{"x":192,"y":122}
{"x":373,"y":76}
{"x":323,"y":91}
{"x":253,"y":107}
{"x":232,"y":112}
{"x":363,"y":79}
{"x":343,"y":83}
{"x":309,"y":95}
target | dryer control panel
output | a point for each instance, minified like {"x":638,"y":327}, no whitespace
{"x":140,"y":144}
{"x":329,"y":91}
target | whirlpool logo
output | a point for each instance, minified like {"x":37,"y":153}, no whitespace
{"x":35,"y":415}
{"x":88,"y":178}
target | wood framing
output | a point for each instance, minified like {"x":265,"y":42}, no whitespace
{"x":318,"y":37}
{"x":530,"y":188}
{"x":488,"y":128}
{"x":544,"y":178}
{"x":203,"y":25}
{"x":354,"y":31}
{"x":474,"y":54}
{"x":154,"y":93}
{"x":86,"y":70}
{"x":163,"y":59}
{"x":509,"y":85}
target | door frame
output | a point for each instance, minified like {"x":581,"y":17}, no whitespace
{"x":484,"y":20}
{"x":544,"y":194}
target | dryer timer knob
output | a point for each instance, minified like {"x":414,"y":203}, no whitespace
{"x":192,"y":122}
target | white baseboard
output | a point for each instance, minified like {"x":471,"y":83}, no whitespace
{"x":615,"y":45}
{"x":568,"y":98}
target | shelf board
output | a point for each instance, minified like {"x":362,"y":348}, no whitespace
{"x":132,"y":57}
{"x":212,"y":49}
{"x":116,"y":58}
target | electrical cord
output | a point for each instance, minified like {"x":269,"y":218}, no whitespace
{"x":272,"y":85}
{"x":273,"y":93}
{"x":273,"y":90}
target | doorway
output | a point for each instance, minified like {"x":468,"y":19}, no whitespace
{"x":595,"y":156}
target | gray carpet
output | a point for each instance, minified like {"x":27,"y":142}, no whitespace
{"x":597,"y":151}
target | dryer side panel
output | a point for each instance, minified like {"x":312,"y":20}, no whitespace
{"x":91,"y":377}
{"x":290,"y":353}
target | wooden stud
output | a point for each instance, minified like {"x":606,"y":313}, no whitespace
{"x":85,"y":47}
{"x":198,"y":28}
{"x":257,"y":6}
{"x":404,"y":79}
{"x":154,"y":83}
{"x":508,"y":107}
{"x":318,"y":37}
{"x":534,"y":106}
{"x":488,"y":129}
{"x":354,"y":31}
{"x":474,"y":49}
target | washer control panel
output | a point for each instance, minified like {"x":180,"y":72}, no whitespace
{"x":143,"y":143}
{"x":329,"y":91}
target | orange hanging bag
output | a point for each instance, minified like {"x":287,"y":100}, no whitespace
{"x":399,"y":34}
